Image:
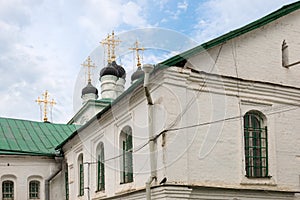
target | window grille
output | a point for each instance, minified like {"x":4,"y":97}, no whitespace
{"x":100,"y":168}
{"x":34,"y":190}
{"x":256,"y":145}
{"x":7,"y":190}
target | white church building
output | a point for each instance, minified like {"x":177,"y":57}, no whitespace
{"x":219,"y":121}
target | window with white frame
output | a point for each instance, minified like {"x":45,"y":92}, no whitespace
{"x":126,"y":162}
{"x":100,"y":167}
{"x":80,"y":175}
{"x":256,"y":145}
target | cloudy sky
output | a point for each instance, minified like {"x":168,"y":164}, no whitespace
{"x":43,"y":42}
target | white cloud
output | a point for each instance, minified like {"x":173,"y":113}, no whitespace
{"x":43,"y":45}
{"x":217,"y":17}
{"x":132,"y":15}
{"x":182,"y":5}
{"x":175,"y":12}
{"x":161,"y":4}
{"x":99,"y":19}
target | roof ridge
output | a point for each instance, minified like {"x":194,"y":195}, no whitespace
{"x":32,"y":121}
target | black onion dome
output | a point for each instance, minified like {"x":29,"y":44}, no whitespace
{"x":89,"y":89}
{"x":137,"y":74}
{"x":121,"y":70}
{"x":109,"y":70}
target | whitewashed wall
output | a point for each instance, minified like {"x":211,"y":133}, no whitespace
{"x":212,"y":154}
{"x":22,"y":169}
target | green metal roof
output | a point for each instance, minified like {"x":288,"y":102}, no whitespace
{"x":173,"y":61}
{"x":23,"y":137}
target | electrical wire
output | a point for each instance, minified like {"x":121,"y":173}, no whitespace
{"x":120,"y":155}
{"x":190,"y":103}
{"x":197,"y":95}
{"x":234,"y":56}
{"x":170,"y":129}
{"x":197,"y":125}
{"x":217,"y":121}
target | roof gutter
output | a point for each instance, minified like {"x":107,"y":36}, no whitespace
{"x":18,"y":152}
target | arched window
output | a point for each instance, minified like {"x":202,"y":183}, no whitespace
{"x":256,"y":145}
{"x":100,"y":167}
{"x":7,"y":190}
{"x":126,"y":158}
{"x":34,"y":189}
{"x":80,"y":175}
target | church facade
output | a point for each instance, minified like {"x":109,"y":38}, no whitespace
{"x":219,"y":121}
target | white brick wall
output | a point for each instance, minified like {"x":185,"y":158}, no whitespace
{"x":22,"y":169}
{"x":210,"y":155}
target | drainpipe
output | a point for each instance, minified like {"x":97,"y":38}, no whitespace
{"x":147,"y":69}
{"x":47,"y":181}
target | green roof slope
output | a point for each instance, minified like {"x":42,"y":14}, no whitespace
{"x":23,"y":137}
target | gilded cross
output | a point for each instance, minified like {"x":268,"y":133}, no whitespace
{"x":137,"y":49}
{"x":111,"y":42}
{"x":46,"y":101}
{"x":88,"y":64}
{"x":114,"y":42}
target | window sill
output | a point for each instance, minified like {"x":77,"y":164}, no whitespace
{"x":123,"y":183}
{"x":258,"y":177}
{"x":268,"y":181}
{"x":124,"y":191}
{"x":100,"y":191}
{"x":100,"y":194}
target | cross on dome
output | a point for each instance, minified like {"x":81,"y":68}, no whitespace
{"x":46,"y":101}
{"x":88,"y":64}
{"x":111,"y":42}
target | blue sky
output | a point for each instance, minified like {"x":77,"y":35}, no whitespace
{"x":43,"y":42}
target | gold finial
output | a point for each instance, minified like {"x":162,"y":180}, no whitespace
{"x":111,"y":44}
{"x":89,"y":65}
{"x":46,"y":101}
{"x":114,"y":43}
{"x":137,"y":49}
